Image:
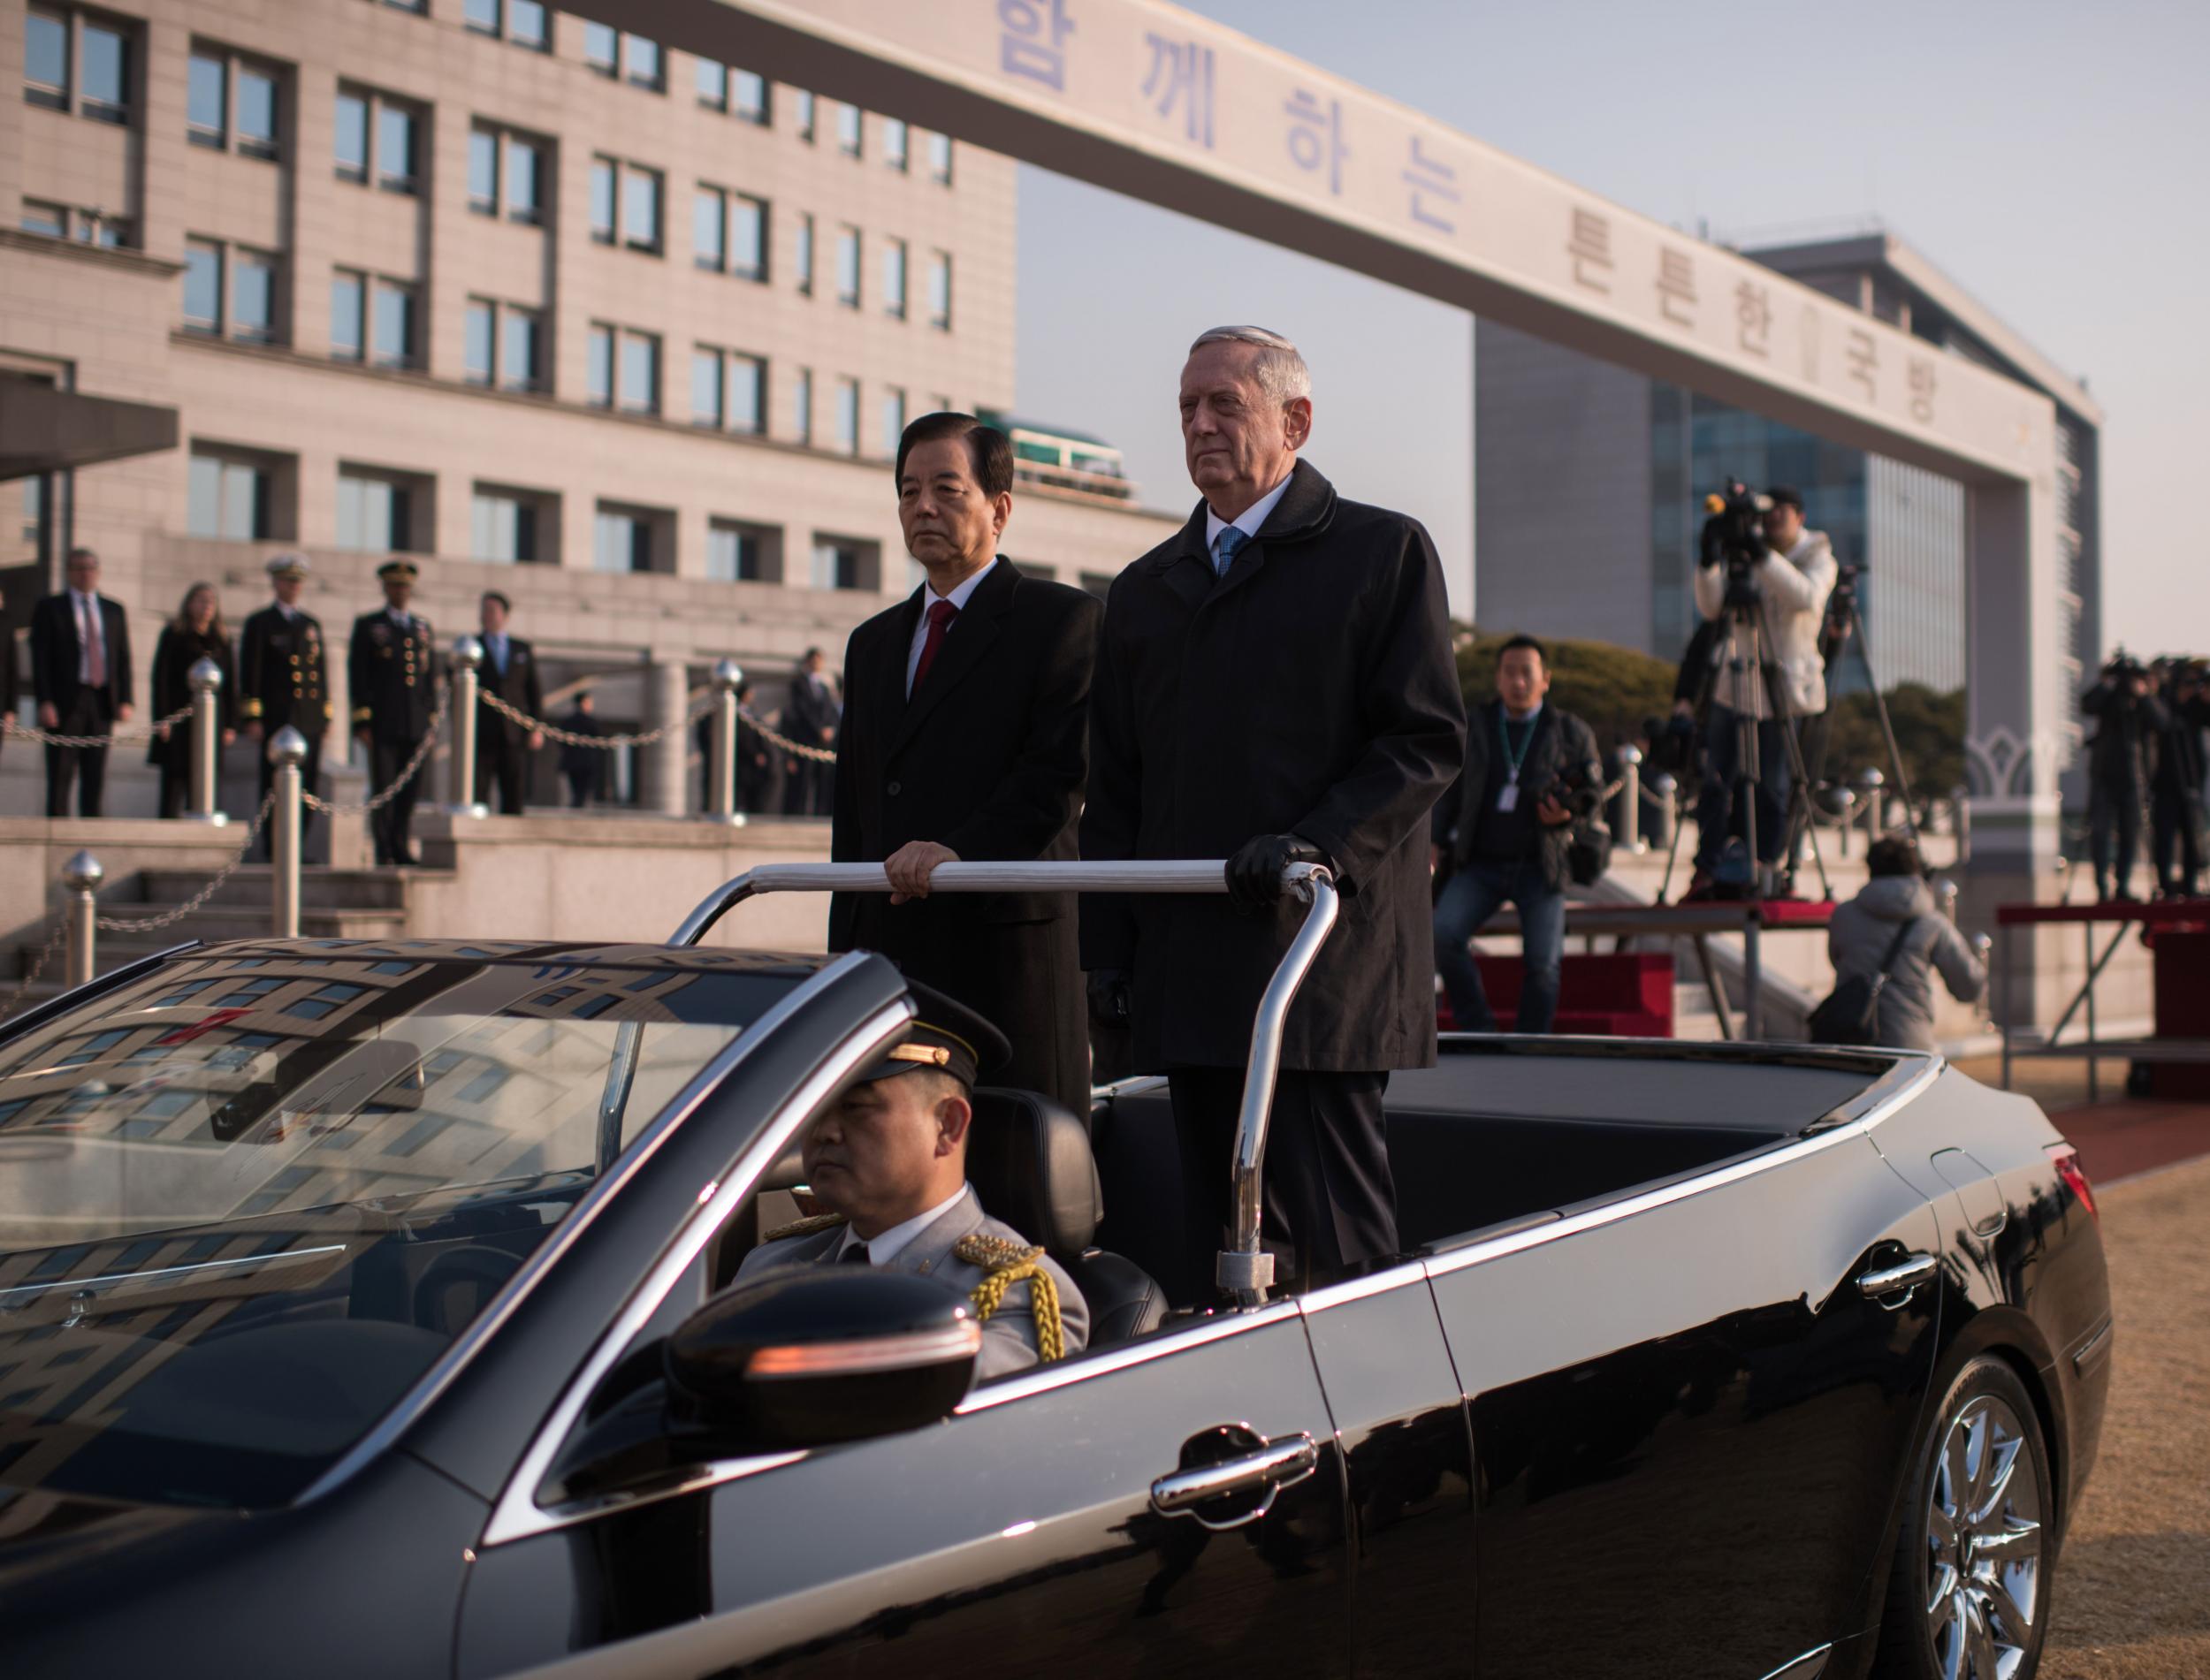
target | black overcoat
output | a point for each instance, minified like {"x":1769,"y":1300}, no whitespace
{"x":175,"y":652}
{"x":1311,"y":691}
{"x":987,"y":757}
{"x":393,"y":674}
{"x":54,"y":652}
{"x":521,"y":688}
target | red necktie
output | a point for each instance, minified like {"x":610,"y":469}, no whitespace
{"x":941,"y":613}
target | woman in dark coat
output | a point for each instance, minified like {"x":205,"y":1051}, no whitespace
{"x":196,"y":633}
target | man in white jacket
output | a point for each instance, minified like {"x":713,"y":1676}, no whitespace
{"x":1792,"y":580}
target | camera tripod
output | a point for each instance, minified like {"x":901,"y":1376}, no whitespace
{"x":1844,"y":627}
{"x":1740,"y":647}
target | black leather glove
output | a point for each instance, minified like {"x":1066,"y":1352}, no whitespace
{"x":1254,"y":873}
{"x":1108,"y":997}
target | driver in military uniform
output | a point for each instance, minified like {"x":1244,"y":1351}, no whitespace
{"x":391,"y":670}
{"x":890,"y":1160}
{"x":281,"y":680}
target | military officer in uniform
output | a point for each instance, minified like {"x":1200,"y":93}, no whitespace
{"x":281,"y":680}
{"x":391,"y":669}
{"x":890,"y":1161}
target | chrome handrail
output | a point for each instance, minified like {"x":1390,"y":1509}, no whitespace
{"x":1245,"y":1269}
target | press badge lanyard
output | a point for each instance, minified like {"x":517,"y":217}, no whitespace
{"x":1508,"y":795}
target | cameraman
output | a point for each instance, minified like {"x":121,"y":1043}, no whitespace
{"x":2175,"y":807}
{"x":1530,"y":769}
{"x":2129,"y":724}
{"x":1787,"y":586}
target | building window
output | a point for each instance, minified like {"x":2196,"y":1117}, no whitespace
{"x":749,"y":97}
{"x":376,"y":511}
{"x":599,"y":382}
{"x":504,"y":174}
{"x":207,"y":101}
{"x":46,"y":58}
{"x":482,"y":15}
{"x":939,"y":291}
{"x":706,"y":387}
{"x":602,"y":199}
{"x":525,"y":179}
{"x":748,"y":237}
{"x":623,"y":539}
{"x":801,"y":403}
{"x":394,"y":342}
{"x":508,"y":526}
{"x":748,"y":394}
{"x":520,"y":21}
{"x":845,"y":563}
{"x":642,"y":62}
{"x":348,"y":315}
{"x":397,"y":129}
{"x":602,"y":49}
{"x":475,"y":361}
{"x":396,"y":138}
{"x":708,"y":210}
{"x":53,"y":221}
{"x":850,"y":124}
{"x":253,"y":295}
{"x":641,"y":373}
{"x":940,"y":158}
{"x":231,"y":104}
{"x":202,"y":285}
{"x":738,"y":553}
{"x":352,"y":145}
{"x":53,"y":42}
{"x":848,"y":416}
{"x":712,"y":81}
{"x":522,"y":349}
{"x":483,"y":172}
{"x":803,"y":257}
{"x":105,"y":93}
{"x":641,"y":207}
{"x":230,"y":497}
{"x":256,"y":111}
{"x":895,"y":140}
{"x":804,"y":113}
{"x":848,"y":267}
{"x":894,"y":278}
{"x":892,"y":419}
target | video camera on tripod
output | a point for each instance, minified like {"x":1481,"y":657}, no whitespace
{"x":1734,"y":536}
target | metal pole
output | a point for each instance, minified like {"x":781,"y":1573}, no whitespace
{"x":285,"y":751}
{"x":206,"y":678}
{"x":1629,"y":836}
{"x":81,"y":876}
{"x":1960,"y":825}
{"x":2094,"y":1092}
{"x":1872,"y":782}
{"x":721,"y":774}
{"x":2003,"y":928}
{"x":1946,"y":898}
{"x":468,"y":655}
{"x":1753,"y":1014}
{"x":1845,"y":800}
{"x":1663,"y":790}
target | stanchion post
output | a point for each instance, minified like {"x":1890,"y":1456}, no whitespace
{"x":1870,"y":784}
{"x":287,"y":750}
{"x":1946,"y":898}
{"x":1845,"y":801}
{"x":1665,"y":791}
{"x":81,"y":876}
{"x":206,"y":678}
{"x":1630,"y":829}
{"x":467,"y":658}
{"x":721,"y":774}
{"x":1960,"y":825}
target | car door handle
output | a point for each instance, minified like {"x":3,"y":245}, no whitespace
{"x":1898,"y":1280}
{"x":1282,"y":1462}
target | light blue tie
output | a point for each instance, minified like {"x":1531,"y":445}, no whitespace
{"x":1226,"y":546}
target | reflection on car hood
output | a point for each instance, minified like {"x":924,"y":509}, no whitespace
{"x":45,"y":1534}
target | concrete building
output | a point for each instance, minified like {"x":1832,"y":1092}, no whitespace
{"x":626,"y":332}
{"x":1590,"y":480}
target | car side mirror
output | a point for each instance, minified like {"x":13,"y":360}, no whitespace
{"x":808,"y":1358}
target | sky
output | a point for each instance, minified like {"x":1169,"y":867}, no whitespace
{"x":2054,"y":159}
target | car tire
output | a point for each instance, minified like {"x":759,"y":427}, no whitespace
{"x":1968,"y":1595}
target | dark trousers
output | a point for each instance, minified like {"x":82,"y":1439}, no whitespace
{"x":809,"y":789}
{"x":1473,"y":896}
{"x":2173,"y":819}
{"x":310,"y":775}
{"x":1715,"y":811}
{"x":1329,"y":1201}
{"x":2113,"y":837}
{"x":583,"y":786}
{"x":88,"y":714}
{"x":498,"y":762}
{"x":176,"y":788}
{"x":392,"y":824}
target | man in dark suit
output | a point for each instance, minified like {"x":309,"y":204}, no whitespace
{"x":810,"y":718}
{"x":510,"y":671}
{"x":963,"y":737}
{"x":283,"y":680}
{"x":1275,"y":684}
{"x":391,"y":667}
{"x":80,"y":676}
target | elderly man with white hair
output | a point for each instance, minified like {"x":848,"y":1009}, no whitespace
{"x":1274,"y":684}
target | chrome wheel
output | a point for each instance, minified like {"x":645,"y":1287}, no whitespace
{"x":1983,"y":1544}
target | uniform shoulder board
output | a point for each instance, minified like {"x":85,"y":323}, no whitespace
{"x":804,"y":1227}
{"x":1005,"y":1263}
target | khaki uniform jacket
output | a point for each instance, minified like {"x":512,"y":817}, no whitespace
{"x":1009,"y":1339}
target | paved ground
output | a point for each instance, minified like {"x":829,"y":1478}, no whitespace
{"x":2132,"y":1599}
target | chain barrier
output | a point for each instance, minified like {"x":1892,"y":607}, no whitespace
{"x":819,"y":754}
{"x":47,"y":737}
{"x":147,"y":923}
{"x":384,"y":795}
{"x":568,"y":738}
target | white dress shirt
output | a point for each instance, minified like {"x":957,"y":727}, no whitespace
{"x":958,"y":597}
{"x":888,"y":1245}
{"x":1248,"y":521}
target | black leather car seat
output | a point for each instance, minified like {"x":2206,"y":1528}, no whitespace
{"x":1029,"y":1160}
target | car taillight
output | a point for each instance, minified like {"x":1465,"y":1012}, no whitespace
{"x":2075,"y":1177}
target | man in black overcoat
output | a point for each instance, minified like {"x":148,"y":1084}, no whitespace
{"x":282,"y":680}
{"x":391,"y":668}
{"x":509,"y":672}
{"x":80,"y":676}
{"x":963,"y":737}
{"x":1274,"y":683}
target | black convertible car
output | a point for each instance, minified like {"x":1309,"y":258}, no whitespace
{"x":364,"y":1309}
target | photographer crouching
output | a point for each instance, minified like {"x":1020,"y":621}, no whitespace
{"x":1504,"y":830}
{"x":1765,"y":580}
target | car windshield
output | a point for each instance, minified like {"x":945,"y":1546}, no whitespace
{"x":246,"y":1200}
